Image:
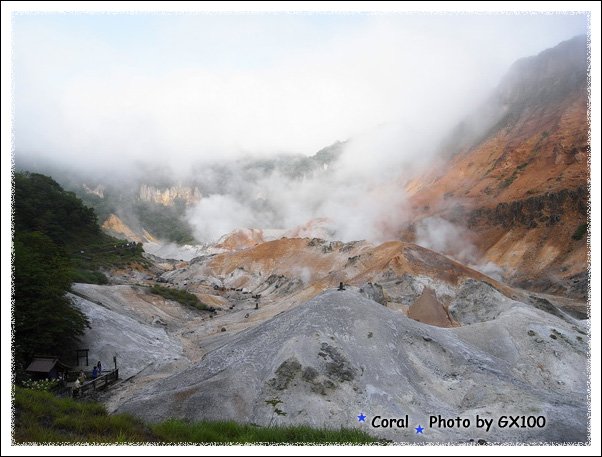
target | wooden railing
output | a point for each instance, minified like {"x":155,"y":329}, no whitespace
{"x":100,"y":382}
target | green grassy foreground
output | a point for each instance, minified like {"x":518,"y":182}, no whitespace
{"x":43,"y":418}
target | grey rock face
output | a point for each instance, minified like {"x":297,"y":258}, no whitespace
{"x":340,"y":354}
{"x":477,"y":301}
{"x":137,"y":345}
{"x":374,"y":291}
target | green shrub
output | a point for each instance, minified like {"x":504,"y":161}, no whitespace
{"x":89,"y":277}
{"x":181,"y":296}
{"x":46,"y":385}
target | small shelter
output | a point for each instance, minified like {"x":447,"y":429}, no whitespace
{"x":46,"y":367}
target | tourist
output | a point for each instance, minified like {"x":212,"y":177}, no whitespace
{"x":76,"y":387}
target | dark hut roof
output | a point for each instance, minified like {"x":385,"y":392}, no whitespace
{"x":45,"y":364}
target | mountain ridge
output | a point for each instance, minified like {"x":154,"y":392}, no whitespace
{"x":512,"y":177}
{"x":527,"y":177}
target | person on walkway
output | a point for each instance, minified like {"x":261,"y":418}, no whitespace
{"x":76,"y":387}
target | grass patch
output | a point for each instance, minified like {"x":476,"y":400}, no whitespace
{"x":181,"y":296}
{"x":580,"y":232}
{"x":224,"y":432}
{"x":88,"y":277}
{"x":43,"y":418}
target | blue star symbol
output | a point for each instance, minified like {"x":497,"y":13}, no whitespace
{"x":419,"y":429}
{"x":361,"y":417}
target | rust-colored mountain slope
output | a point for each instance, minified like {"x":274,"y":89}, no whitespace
{"x":519,"y":182}
{"x":285,"y":272}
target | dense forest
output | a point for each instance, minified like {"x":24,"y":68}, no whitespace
{"x":56,"y":241}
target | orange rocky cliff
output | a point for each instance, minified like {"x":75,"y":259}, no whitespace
{"x":519,"y":182}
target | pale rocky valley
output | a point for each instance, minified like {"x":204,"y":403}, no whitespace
{"x":421,"y":329}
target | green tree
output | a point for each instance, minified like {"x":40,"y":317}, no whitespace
{"x":56,"y":240}
{"x":41,"y":205}
{"x":45,"y":321}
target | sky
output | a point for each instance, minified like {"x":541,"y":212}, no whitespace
{"x":116,"y":93}
{"x":105,"y":91}
{"x":96,"y":90}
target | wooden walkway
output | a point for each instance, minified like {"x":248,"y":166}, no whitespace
{"x":101,"y":382}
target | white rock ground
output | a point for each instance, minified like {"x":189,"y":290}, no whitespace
{"x":341,"y":354}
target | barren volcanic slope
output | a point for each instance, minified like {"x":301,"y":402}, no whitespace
{"x":289,"y":271}
{"x":517,"y":172}
{"x":322,"y":356}
{"x":340,"y":354}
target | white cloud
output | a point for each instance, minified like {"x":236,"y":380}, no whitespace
{"x":194,"y":87}
{"x":446,"y":237}
{"x":217,"y":215}
{"x":191,"y":93}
